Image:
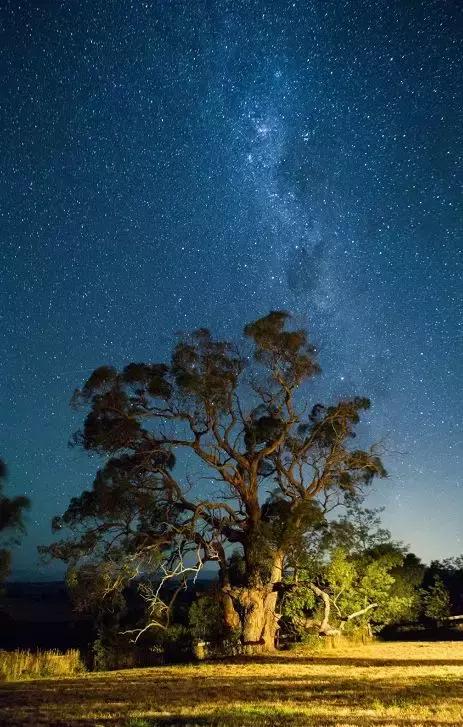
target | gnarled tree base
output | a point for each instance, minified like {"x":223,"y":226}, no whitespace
{"x":252,"y":611}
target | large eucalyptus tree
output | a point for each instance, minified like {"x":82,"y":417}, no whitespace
{"x":215,"y":451}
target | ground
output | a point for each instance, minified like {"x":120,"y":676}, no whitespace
{"x":381,"y":685}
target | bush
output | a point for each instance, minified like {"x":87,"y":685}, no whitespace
{"x":122,"y":653}
{"x":104,"y":655}
{"x":15,"y":665}
{"x":178,"y":643}
{"x":206,"y":619}
{"x":207,"y":627}
{"x":313,"y":640}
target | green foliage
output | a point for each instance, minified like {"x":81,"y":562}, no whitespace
{"x":358,"y":530}
{"x":369,"y":579}
{"x":405,"y":594}
{"x":312,"y":641}
{"x":90,"y":588}
{"x":437,"y":601}
{"x":205,"y":619}
{"x":295,"y":607}
{"x":237,"y":569}
{"x":118,"y":652}
{"x":104,"y":657}
{"x":112,"y":647}
{"x":206,"y":624}
{"x":288,"y":352}
{"x":177,"y":643}
{"x":110,"y":655}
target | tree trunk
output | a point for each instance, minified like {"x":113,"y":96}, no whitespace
{"x":253,"y":611}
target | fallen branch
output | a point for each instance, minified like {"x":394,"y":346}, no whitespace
{"x":356,"y":614}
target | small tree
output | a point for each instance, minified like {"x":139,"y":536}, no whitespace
{"x":450,"y":572}
{"x":266,"y":467}
{"x":11,"y":523}
{"x":437,"y":602}
{"x":205,"y":619}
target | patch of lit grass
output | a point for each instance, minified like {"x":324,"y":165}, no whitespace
{"x":21,"y":664}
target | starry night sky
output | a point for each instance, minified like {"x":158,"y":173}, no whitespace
{"x":174,"y":164}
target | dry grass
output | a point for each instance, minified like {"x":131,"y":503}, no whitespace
{"x":21,"y":664}
{"x":380,"y":685}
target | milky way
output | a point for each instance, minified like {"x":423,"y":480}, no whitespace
{"x":173,"y":165}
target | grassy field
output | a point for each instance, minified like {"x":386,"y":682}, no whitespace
{"x":387,"y":685}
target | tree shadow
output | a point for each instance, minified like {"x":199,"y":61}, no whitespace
{"x":236,"y":720}
{"x":351,"y":661}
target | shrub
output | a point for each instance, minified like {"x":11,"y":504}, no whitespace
{"x":206,"y":619}
{"x":122,"y":653}
{"x":313,"y":641}
{"x":178,"y":645}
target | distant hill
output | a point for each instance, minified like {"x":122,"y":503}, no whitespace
{"x":37,"y":574}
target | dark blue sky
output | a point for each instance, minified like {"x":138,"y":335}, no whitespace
{"x":168,"y":165}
